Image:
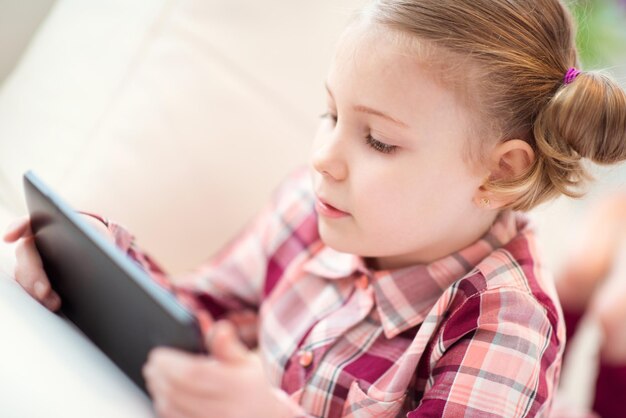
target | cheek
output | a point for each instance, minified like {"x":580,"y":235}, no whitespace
{"x":415,"y":195}
{"x":385,"y":197}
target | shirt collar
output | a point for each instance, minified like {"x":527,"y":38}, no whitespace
{"x":404,"y":296}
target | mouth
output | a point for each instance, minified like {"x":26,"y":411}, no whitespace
{"x":325,"y":209}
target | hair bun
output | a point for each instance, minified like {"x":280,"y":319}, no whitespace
{"x":588,"y":116}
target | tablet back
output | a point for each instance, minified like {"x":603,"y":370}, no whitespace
{"x":104,"y":292}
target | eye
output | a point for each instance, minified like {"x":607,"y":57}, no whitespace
{"x":370,"y":140}
{"x":329,"y":116}
{"x":380,"y":146}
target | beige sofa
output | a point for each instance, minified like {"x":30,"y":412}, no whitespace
{"x":178,"y":117}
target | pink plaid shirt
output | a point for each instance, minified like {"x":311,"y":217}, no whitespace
{"x":477,"y":333}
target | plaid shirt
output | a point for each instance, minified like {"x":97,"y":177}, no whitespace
{"x":477,"y":333}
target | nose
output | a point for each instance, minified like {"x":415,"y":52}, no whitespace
{"x":328,"y":159}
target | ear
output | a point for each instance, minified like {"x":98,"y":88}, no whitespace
{"x":508,"y":160}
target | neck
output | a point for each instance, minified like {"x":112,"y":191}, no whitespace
{"x":465,"y":236}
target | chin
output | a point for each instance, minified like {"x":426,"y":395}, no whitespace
{"x":344,"y":242}
{"x":336,"y":240}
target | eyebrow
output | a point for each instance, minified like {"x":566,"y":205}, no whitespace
{"x":369,"y":110}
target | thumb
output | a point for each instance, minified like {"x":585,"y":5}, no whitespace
{"x":224,"y":343}
{"x":20,"y":228}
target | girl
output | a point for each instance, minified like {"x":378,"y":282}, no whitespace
{"x":397,"y":279}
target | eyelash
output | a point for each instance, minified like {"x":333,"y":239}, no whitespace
{"x":370,"y":140}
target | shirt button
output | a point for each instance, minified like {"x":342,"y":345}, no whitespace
{"x":306,"y":358}
{"x":362,"y":282}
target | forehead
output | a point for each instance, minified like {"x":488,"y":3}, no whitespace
{"x":384,"y":69}
{"x":375,"y":63}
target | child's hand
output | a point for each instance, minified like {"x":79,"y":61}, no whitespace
{"x":228,"y":383}
{"x":29,"y":272}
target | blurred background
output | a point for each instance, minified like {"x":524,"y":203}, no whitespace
{"x":126,"y":107}
{"x":18,"y":22}
{"x":601,"y":34}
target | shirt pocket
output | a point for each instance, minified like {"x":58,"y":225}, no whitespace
{"x":360,"y":405}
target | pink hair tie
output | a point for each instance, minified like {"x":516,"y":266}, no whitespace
{"x":571,"y":75}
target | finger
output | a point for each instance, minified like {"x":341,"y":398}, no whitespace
{"x":20,"y":228}
{"x":171,"y":400}
{"x":175,"y":403}
{"x":29,"y":271}
{"x":52,"y":301}
{"x":164,"y":409}
{"x":224,"y":343}
{"x":157,"y":389}
{"x":160,"y":395}
{"x":178,"y":409}
{"x":166,"y":358}
{"x":194,"y":407}
{"x":196,"y":374}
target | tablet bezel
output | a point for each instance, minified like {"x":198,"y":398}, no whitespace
{"x":165,"y":320}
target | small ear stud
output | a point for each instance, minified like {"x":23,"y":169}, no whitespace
{"x":485,"y":202}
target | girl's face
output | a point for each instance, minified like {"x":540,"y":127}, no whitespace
{"x":390,"y":154}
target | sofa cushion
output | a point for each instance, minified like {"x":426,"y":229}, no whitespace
{"x":176,"y":118}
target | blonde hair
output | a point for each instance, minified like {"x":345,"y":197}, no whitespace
{"x":518,"y":52}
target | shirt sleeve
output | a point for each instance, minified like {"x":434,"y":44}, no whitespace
{"x":231,"y":285}
{"x":500,"y":356}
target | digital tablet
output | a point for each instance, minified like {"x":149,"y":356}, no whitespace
{"x":103,"y":291}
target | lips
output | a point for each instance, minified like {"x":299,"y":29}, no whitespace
{"x":326,"y":209}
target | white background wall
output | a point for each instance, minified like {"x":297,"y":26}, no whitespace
{"x":19,"y":20}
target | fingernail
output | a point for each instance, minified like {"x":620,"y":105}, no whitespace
{"x":40,"y":290}
{"x":55,"y":301}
